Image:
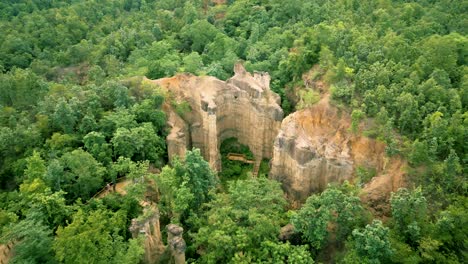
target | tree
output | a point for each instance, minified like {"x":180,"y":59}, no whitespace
{"x":166,"y":66}
{"x":371,"y":77}
{"x":134,"y":253}
{"x":197,"y":35}
{"x":409,"y":212}
{"x":219,"y":49}
{"x":95,"y":237}
{"x":35,"y":168}
{"x":175,"y":197}
{"x":216,"y":69}
{"x":59,"y":143}
{"x":201,"y":178}
{"x":95,"y":143}
{"x":18,"y":51}
{"x":356,"y":117}
{"x":88,"y":124}
{"x":409,"y":109}
{"x":91,"y":103}
{"x":326,"y":58}
{"x":65,"y":85}
{"x":193,"y":63}
{"x":33,"y":242}
{"x":451,"y":228}
{"x":372,"y":244}
{"x":439,"y":52}
{"x":307,"y":98}
{"x":96,"y":74}
{"x":185,"y":187}
{"x":49,"y":208}
{"x":54,"y":177}
{"x":331,"y":212}
{"x":114,"y":94}
{"x":190,"y":13}
{"x":123,"y":143}
{"x":64,"y":117}
{"x":21,"y":89}
{"x":141,"y":143}
{"x":120,"y":118}
{"x":82,"y":175}
{"x":277,"y":252}
{"x":147,"y":111}
{"x":238,"y":221}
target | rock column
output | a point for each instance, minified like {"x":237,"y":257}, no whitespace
{"x":176,"y":243}
{"x":150,"y":228}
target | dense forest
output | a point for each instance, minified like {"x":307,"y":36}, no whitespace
{"x":76,"y":114}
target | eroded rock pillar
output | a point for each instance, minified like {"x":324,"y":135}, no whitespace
{"x":176,"y":243}
{"x":150,"y":228}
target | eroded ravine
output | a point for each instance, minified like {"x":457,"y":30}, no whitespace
{"x":308,"y":149}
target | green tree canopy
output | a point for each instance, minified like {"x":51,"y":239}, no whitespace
{"x":409,"y":212}
{"x":331,"y":212}
{"x":96,"y":237}
{"x":187,"y":186}
{"x":237,"y":222}
{"x":371,"y":244}
{"x":82,"y":175}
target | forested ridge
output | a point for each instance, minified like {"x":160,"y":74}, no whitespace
{"x":77,"y":114}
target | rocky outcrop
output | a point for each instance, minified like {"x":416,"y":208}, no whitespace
{"x":243,"y":107}
{"x":155,"y":250}
{"x":309,"y":149}
{"x":6,"y":252}
{"x":176,"y":243}
{"x":149,"y":227}
{"x":315,"y":147}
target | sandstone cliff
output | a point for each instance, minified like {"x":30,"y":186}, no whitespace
{"x":314,"y":148}
{"x":309,"y":149}
{"x":243,"y":107}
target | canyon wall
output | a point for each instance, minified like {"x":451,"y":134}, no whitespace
{"x":309,"y":149}
{"x":243,"y":107}
{"x":315,"y":147}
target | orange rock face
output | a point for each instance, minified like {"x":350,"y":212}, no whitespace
{"x":243,"y":107}
{"x":315,"y":147}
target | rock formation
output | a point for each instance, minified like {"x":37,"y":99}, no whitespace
{"x":314,"y":148}
{"x":309,"y":149}
{"x":176,"y":243}
{"x":243,"y":107}
{"x":6,"y":252}
{"x":150,"y":228}
{"x":155,"y":250}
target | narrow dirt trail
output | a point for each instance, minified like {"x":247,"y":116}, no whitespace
{"x":119,"y":188}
